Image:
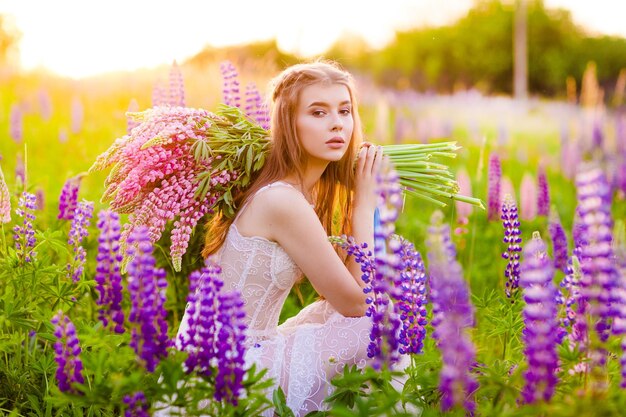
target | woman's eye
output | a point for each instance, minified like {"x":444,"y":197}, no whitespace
{"x":318,"y":113}
{"x":345,"y":111}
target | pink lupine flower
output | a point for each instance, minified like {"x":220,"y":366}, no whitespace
{"x":507,"y":189}
{"x":5,"y":200}
{"x":528,"y":198}
{"x":131,"y":123}
{"x":158,"y":95}
{"x":493,"y":196}
{"x":155,"y":178}
{"x":177,"y":87}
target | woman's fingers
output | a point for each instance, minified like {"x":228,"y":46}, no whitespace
{"x":378,"y":161}
{"x":360,"y":164}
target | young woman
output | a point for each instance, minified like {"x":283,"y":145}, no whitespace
{"x":309,"y":188}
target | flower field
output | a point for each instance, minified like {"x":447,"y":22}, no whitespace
{"x":515,"y":310}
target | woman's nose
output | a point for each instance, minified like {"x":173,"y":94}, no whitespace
{"x":336,"y":123}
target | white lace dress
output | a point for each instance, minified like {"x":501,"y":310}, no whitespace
{"x":308,"y":350}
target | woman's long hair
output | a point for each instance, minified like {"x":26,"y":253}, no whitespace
{"x":286,"y":156}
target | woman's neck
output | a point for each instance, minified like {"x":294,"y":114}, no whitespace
{"x":306,"y":184}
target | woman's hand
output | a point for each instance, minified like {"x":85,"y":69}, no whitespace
{"x":368,"y":166}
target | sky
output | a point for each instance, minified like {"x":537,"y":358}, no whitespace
{"x":79,"y":38}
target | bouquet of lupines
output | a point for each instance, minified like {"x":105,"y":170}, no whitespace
{"x":182,"y":163}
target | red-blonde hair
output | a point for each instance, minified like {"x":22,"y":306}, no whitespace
{"x":335,"y":187}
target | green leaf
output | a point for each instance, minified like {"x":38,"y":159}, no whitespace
{"x":249,"y":159}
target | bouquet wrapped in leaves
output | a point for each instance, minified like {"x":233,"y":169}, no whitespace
{"x":180,"y":164}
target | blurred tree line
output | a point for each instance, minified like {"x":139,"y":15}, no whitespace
{"x":477,"y":52}
{"x":474,"y":52}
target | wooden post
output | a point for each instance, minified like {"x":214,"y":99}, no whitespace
{"x":520,"y":41}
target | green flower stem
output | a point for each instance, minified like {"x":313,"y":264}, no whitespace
{"x":4,"y":242}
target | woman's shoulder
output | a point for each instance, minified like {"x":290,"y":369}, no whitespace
{"x":279,"y":197}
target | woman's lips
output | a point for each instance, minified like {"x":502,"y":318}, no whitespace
{"x":336,"y":143}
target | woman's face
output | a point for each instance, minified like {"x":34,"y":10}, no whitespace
{"x":324,"y":121}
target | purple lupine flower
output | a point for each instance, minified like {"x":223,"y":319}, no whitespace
{"x":77,"y":115}
{"x":577,"y":334}
{"x":543,"y":193}
{"x":159,"y":94}
{"x":177,"y":87}
{"x":540,"y":318}
{"x":230,"y":347}
{"x":16,"y":129}
{"x":45,"y":104}
{"x":199,"y":341}
{"x":559,"y":241}
{"x":495,"y":176}
{"x":146,"y":285}
{"x":67,"y":354}
{"x":78,"y":231}
{"x":131,"y":123}
{"x":255,"y":108}
{"x":216,"y":332}
{"x":137,"y":405}
{"x":231,"y":94}
{"x":599,"y":275}
{"x":20,"y":170}
{"x":619,"y":249}
{"x":385,"y":284}
{"x":41,"y":199}
{"x":597,"y":135}
{"x":24,"y":234}
{"x":413,"y":300}
{"x":69,"y":198}
{"x":108,"y":277}
{"x":513,"y":239}
{"x":5,"y":200}
{"x":453,"y":315}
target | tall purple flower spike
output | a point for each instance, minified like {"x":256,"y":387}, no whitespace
{"x":543,"y":193}
{"x":108,"y":277}
{"x":69,"y":198}
{"x":541,"y":332}
{"x":231,"y":90}
{"x":513,"y":239}
{"x":146,"y":285}
{"x":559,"y":240}
{"x":67,"y":354}
{"x":453,"y":316}
{"x":599,"y":278}
{"x":24,"y":232}
{"x":78,"y":231}
{"x":216,"y":333}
